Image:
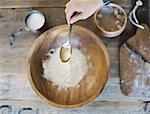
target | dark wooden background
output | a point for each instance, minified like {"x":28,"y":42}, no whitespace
{"x":16,"y":94}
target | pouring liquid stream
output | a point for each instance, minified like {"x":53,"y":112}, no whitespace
{"x":66,"y":49}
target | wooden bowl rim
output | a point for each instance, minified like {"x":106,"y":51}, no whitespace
{"x":114,"y":33}
{"x":39,"y":41}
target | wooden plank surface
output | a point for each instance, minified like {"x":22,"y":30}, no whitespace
{"x":49,"y":3}
{"x":12,"y":19}
{"x":32,"y":3}
{"x":96,"y":107}
{"x":56,"y":3}
{"x":12,"y":59}
{"x":23,"y":42}
{"x":13,"y":78}
{"x":15,"y":86}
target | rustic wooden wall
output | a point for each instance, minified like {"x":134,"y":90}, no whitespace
{"x":16,"y":94}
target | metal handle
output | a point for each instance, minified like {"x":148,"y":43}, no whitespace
{"x":106,"y":9}
{"x":70,"y":29}
{"x":13,"y":35}
{"x":25,"y":109}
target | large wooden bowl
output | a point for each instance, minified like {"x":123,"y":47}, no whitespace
{"x":93,"y":82}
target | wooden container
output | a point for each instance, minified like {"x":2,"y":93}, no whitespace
{"x":114,"y":33}
{"x":93,"y":82}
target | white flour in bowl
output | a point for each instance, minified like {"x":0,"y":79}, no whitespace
{"x":67,"y":74}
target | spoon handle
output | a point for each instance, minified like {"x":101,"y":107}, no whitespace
{"x":70,"y":29}
{"x":106,"y":3}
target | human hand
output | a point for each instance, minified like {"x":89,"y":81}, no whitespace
{"x":81,"y":9}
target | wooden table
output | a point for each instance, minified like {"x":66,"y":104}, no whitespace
{"x":16,"y":94}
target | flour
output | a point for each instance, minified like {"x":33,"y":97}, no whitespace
{"x":35,"y":21}
{"x":67,"y":74}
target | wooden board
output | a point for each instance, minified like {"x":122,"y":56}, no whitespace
{"x":12,"y":19}
{"x":96,"y":107}
{"x":14,"y":86}
{"x":22,"y":47}
{"x":32,"y":3}
{"x":47,"y":3}
{"x":54,"y":16}
{"x":15,"y":89}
